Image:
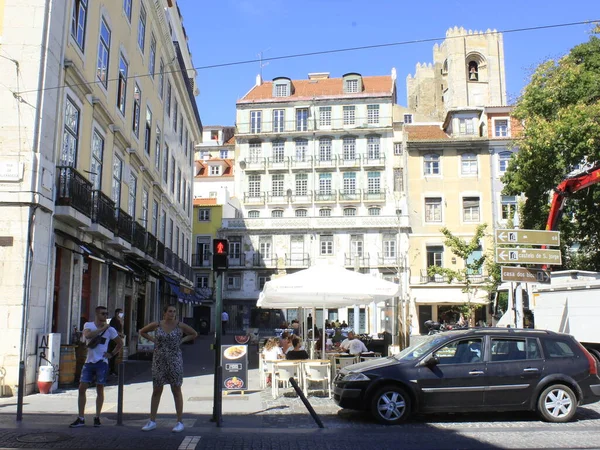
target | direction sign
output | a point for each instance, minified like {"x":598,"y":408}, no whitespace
{"x":526,"y":275}
{"x":532,"y":237}
{"x":528,"y":256}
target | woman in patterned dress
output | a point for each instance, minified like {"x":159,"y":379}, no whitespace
{"x":167,"y":362}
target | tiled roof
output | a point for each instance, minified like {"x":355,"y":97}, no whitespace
{"x":202,"y":168}
{"x":230,"y":141}
{"x":205,"y":201}
{"x":321,"y":87}
{"x":425,"y":133}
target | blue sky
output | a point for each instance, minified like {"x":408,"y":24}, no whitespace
{"x":235,"y":30}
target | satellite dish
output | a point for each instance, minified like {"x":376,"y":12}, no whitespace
{"x":242,"y":165}
{"x":289,"y":193}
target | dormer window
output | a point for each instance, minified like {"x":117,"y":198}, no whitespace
{"x":473,"y":71}
{"x":281,"y":90}
{"x":282,"y":87}
{"x":215,"y":170}
{"x":351,"y":86}
{"x":408,"y":118}
{"x":214,"y":135}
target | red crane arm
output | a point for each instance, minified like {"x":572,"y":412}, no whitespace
{"x":567,"y":187}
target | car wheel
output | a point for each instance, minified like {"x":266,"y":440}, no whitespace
{"x":557,"y":403}
{"x":390,"y":405}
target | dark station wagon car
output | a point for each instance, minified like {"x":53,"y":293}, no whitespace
{"x":479,"y":369}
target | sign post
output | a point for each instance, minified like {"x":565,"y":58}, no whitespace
{"x":513,"y":255}
{"x":528,"y":237}
{"x":220,"y":263}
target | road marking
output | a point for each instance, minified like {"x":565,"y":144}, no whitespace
{"x":189,"y":443}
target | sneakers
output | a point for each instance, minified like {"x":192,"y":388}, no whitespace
{"x":178,"y":428}
{"x":78,"y":423}
{"x":149,"y":426}
{"x":97,"y":422}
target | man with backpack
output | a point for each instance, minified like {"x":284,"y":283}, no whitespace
{"x":97,"y":335}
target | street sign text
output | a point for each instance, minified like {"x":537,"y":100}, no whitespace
{"x":531,"y":237}
{"x":526,"y":275}
{"x":528,"y":256}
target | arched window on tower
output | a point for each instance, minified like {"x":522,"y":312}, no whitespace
{"x":473,"y":71}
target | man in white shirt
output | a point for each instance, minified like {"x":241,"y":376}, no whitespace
{"x":96,"y":363}
{"x":224,"y":320}
{"x":352,"y":345}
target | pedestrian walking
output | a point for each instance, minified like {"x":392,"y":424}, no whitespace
{"x":117,"y":323}
{"x":224,"y":320}
{"x":167,"y":361}
{"x":97,"y":335}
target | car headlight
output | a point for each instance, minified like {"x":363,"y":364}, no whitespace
{"x":355,"y":376}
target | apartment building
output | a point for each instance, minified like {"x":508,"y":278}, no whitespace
{"x":455,"y":160}
{"x":108,"y":167}
{"x":318,"y":183}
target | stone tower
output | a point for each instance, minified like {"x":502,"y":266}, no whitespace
{"x":468,"y":70}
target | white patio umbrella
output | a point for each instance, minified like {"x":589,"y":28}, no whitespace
{"x":325,"y":287}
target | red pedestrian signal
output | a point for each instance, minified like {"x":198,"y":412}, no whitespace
{"x":220,"y":254}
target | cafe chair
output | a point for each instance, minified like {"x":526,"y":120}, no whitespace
{"x":342,"y":361}
{"x":317,"y":372}
{"x":266,"y":368}
{"x":282,"y":372}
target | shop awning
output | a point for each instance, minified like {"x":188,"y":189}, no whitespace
{"x":183,"y":293}
{"x":447,"y":295}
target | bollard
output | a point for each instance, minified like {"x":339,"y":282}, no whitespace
{"x":21,"y":391}
{"x":120,"y":393}
{"x":312,"y":412}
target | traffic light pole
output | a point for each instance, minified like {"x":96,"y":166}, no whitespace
{"x":217,"y":397}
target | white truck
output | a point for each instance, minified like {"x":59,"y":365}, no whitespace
{"x":570,"y":304}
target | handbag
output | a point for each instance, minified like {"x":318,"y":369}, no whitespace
{"x":95,"y":341}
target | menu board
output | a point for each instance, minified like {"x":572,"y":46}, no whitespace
{"x":235,"y":367}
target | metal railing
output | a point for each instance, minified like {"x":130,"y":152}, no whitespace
{"x":160,"y":252}
{"x":74,"y":190}
{"x":103,"y":210}
{"x":363,"y":260}
{"x":124,"y":225}
{"x":201,"y":259}
{"x":139,"y":236}
{"x":168,"y":258}
{"x":297,"y":260}
{"x":264,"y":261}
{"x":151,"y":242}
{"x":237,"y":260}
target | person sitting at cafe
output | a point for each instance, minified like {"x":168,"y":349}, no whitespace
{"x":272,"y":351}
{"x":285,"y":342}
{"x":353,"y":346}
{"x":296,"y":326}
{"x":338,"y":336}
{"x":297,"y":352}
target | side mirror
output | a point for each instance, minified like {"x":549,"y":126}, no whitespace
{"x":431,"y":361}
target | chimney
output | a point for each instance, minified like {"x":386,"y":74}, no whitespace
{"x":318,"y":75}
{"x":393,"y":73}
{"x":259,"y":80}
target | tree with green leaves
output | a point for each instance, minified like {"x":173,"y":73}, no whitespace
{"x":464,"y":250}
{"x":560,"y":112}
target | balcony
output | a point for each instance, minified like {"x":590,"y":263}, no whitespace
{"x":253,"y":164}
{"x":326,"y":162}
{"x":351,"y":260}
{"x":329,"y":196}
{"x":349,"y":161}
{"x":393,"y":261}
{"x":254,"y":198}
{"x":168,"y":258}
{"x":74,"y":197}
{"x":349,"y":196}
{"x":264,"y":261}
{"x":426,"y":278}
{"x":279,"y":163}
{"x":237,"y":260}
{"x":104,"y":219}
{"x":124,"y":225}
{"x":201,"y":259}
{"x":277,"y":198}
{"x":374,"y":196}
{"x":302,"y":163}
{"x":297,"y":260}
{"x":151,"y":243}
{"x":160,"y":252}
{"x":373,"y":160}
{"x":301,"y":197}
{"x":139,"y":237}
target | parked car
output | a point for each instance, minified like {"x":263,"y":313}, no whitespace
{"x":479,"y":369}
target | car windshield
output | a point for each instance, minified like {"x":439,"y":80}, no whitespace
{"x":416,"y":351}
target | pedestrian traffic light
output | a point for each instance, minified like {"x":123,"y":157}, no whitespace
{"x":220,"y":254}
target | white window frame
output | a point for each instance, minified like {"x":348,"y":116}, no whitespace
{"x":432,"y":165}
{"x":351,"y":86}
{"x":301,"y":184}
{"x":349,"y":115}
{"x":495,"y":121}
{"x":349,"y":148}
{"x":255,"y":121}
{"x":278,"y":151}
{"x":469,"y":165}
{"x":373,"y":114}
{"x":471,"y":213}
{"x":301,"y":212}
{"x":281,"y":90}
{"x":374,"y":182}
{"x":398,"y":148}
{"x":70,"y":132}
{"x":503,"y":161}
{"x":141,"y":38}
{"x":325,"y":116}
{"x":301,"y":119}
{"x":78,"y":22}
{"x":253,"y":214}
{"x":349,"y":182}
{"x":278,"y":120}
{"x":301,"y":149}
{"x":234,"y":282}
{"x":433,"y":208}
{"x":96,"y":160}
{"x":326,"y":245}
